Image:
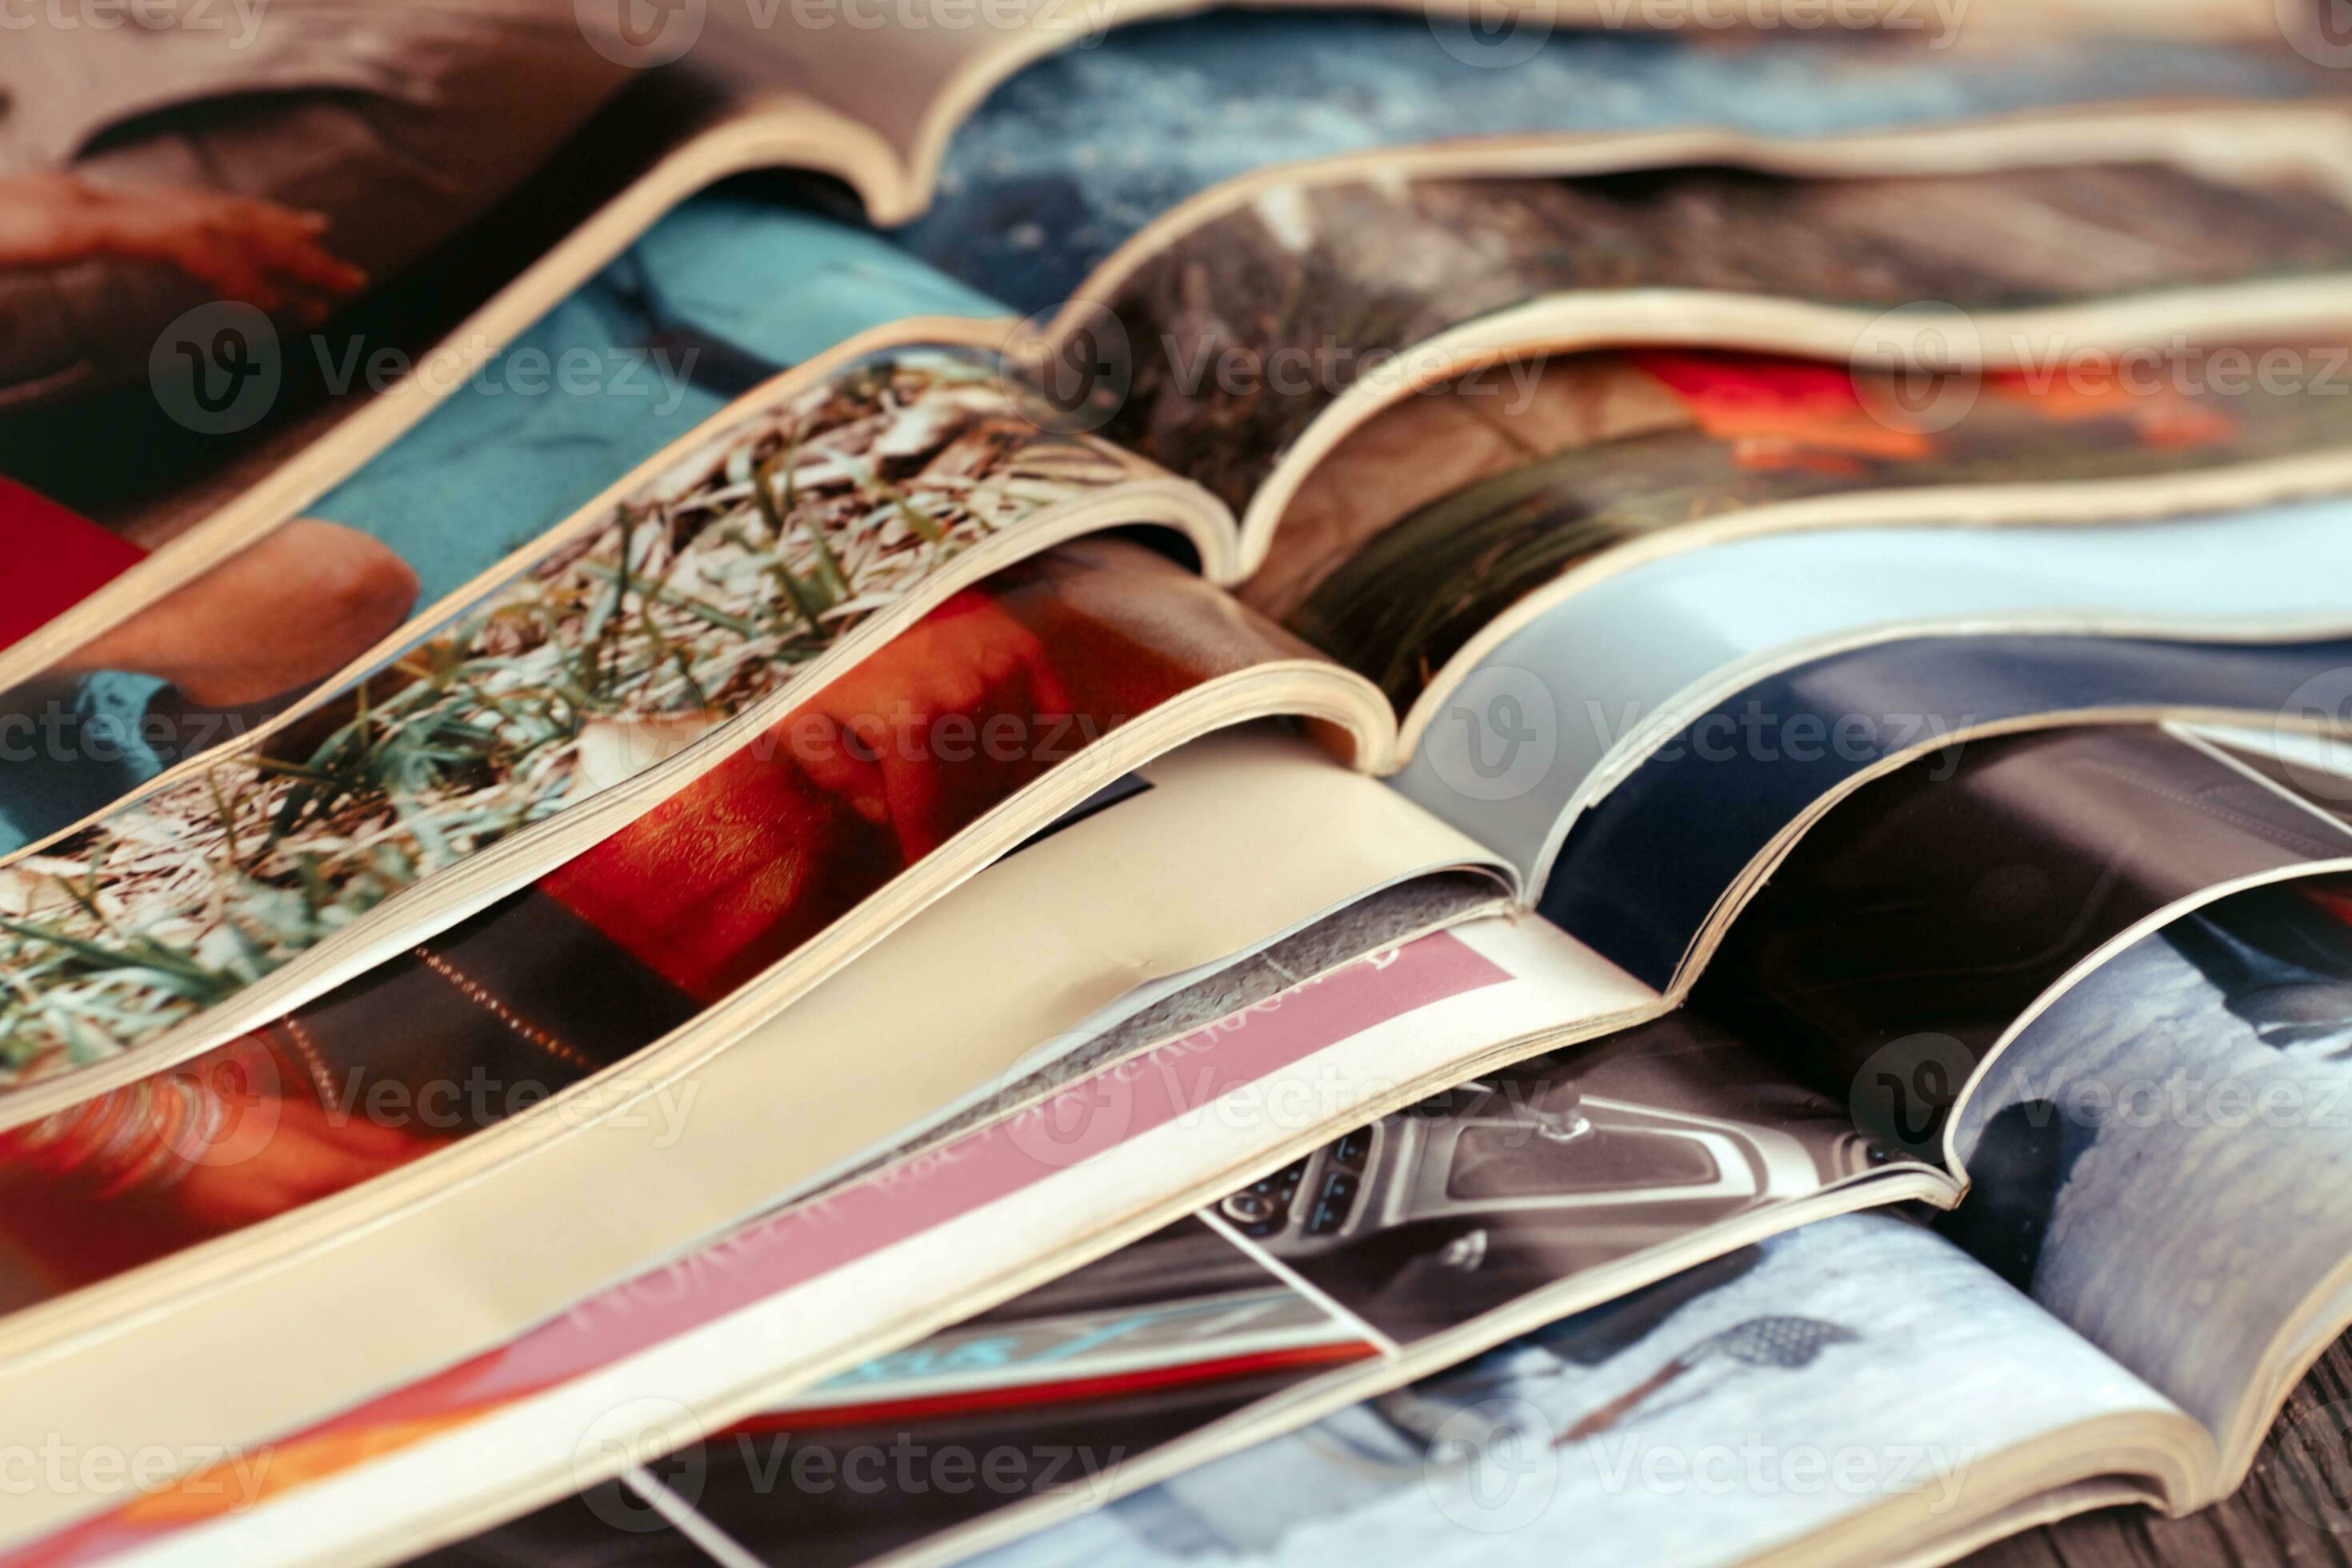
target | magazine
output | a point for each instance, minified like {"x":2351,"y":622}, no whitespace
{"x":1572,"y":1178}
{"x":1520,"y":1197}
{"x":624,"y":114}
{"x":859,"y":555}
{"x":1556,"y":665}
{"x":426,"y":518}
{"x":1067,"y":1174}
{"x":786,"y":937}
{"x":2212,"y":1044}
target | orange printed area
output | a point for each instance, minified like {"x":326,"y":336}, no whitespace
{"x":218,"y":1489}
{"x":1781,"y":413}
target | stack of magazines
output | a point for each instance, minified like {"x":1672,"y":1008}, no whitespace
{"x":1036,"y":781}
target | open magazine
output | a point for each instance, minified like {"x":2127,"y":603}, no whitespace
{"x":831,"y":656}
{"x":702,"y":787}
{"x":1506,"y":1202}
{"x":840,"y":525}
{"x":394,"y":228}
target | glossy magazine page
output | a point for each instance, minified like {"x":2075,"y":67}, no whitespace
{"x":1526,"y":482}
{"x":1064,"y":1175}
{"x":1537,"y":1190}
{"x":1064,"y":652}
{"x":973,"y":1004}
{"x":1197,"y":92}
{"x":794,"y":525}
{"x":1702,"y":658}
{"x":730,"y":291}
{"x":1704,"y":1421}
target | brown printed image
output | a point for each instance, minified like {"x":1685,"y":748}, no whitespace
{"x":702,"y":593}
{"x":622,"y":944}
{"x":1448,"y":508}
{"x":1245,"y":329}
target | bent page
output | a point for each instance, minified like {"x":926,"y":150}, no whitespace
{"x":1677,"y":662}
{"x":1151,"y":1015}
{"x":1430,"y":1234}
{"x":396,"y":1070}
{"x":1755,"y":1408}
{"x":1524,"y":483}
{"x":1995,"y":875}
{"x":1001,"y":686}
{"x":1767,"y":769}
{"x":802,"y":524}
{"x":2169,"y":1132}
{"x":1991,"y":237}
{"x":1048,"y":1190}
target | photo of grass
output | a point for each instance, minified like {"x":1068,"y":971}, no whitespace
{"x":702,"y":593}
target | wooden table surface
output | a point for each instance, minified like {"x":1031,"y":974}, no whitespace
{"x":2267,"y":1521}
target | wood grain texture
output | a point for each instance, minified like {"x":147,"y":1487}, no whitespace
{"x":2281,"y":1516}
